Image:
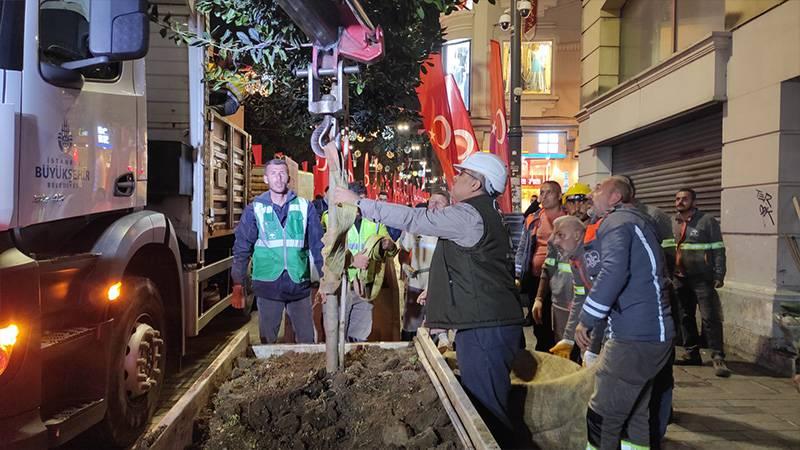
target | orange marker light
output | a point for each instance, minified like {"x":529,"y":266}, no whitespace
{"x":114,"y":291}
{"x":8,"y":337}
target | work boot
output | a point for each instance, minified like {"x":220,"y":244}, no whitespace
{"x":690,"y":358}
{"x":720,"y":368}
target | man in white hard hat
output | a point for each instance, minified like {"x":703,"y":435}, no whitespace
{"x":471,"y":281}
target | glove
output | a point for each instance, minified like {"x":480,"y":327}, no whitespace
{"x":563,"y":348}
{"x":589,"y":359}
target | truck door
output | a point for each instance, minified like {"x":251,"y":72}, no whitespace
{"x":79,"y":132}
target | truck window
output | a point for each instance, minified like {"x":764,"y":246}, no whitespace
{"x":12,"y":19}
{"x":64,"y":36}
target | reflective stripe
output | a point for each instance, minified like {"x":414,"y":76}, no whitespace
{"x":275,"y":243}
{"x":655,"y":280}
{"x":705,"y":246}
{"x":597,"y":306}
{"x":627,"y":445}
{"x":668,"y":243}
{"x":564,"y":267}
{"x":549,"y":262}
{"x":593,"y":311}
{"x":579,"y":290}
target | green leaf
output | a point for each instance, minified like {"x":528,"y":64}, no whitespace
{"x":244,"y":38}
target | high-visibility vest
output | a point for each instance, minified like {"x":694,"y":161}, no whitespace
{"x":278,"y":247}
{"x":356,"y":239}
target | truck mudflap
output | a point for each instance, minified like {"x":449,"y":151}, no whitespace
{"x":23,"y":431}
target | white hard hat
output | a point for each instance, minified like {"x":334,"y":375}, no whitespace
{"x":491,"y":167}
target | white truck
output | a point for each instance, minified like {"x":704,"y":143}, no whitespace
{"x":120,"y":188}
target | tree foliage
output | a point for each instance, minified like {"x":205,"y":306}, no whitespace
{"x":256,"y":48}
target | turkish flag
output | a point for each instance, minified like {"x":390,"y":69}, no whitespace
{"x":463,"y":134}
{"x":350,"y":176}
{"x":498,"y":144}
{"x":435,"y":111}
{"x":366,"y":173}
{"x":320,"y":175}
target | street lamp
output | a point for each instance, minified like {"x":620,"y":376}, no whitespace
{"x":513,"y":22}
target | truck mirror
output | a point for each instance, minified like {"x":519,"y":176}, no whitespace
{"x":119,"y":30}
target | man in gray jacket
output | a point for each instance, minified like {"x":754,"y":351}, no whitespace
{"x":471,"y":282}
{"x":627,"y":265}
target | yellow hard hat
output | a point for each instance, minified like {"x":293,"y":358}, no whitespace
{"x":577,"y":191}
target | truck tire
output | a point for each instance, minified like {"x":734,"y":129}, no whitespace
{"x":137,"y":363}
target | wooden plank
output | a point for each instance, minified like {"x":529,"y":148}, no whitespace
{"x":448,"y":407}
{"x":174,"y":430}
{"x":478,"y":432}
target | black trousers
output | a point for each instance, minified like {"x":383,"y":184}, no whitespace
{"x":545,"y":337}
{"x":698,"y":293}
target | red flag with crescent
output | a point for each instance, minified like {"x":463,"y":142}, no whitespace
{"x":463,"y":134}
{"x":366,"y":171}
{"x":435,"y":111}
{"x":498,"y":142}
{"x":320,"y":175}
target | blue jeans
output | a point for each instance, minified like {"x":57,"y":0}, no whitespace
{"x":270,"y":314}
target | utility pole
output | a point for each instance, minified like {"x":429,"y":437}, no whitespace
{"x":515,"y":94}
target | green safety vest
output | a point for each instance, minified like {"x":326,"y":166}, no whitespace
{"x":278,"y":247}
{"x":356,"y":239}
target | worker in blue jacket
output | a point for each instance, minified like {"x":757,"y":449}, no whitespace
{"x":282,"y":234}
{"x":627,"y":265}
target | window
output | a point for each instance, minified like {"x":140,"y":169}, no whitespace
{"x":12,"y":18}
{"x":64,"y":36}
{"x":537,"y":67}
{"x":646,"y":35}
{"x":456,"y":60}
{"x":548,"y":143}
{"x":652,"y":30}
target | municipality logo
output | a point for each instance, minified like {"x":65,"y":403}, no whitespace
{"x":65,"y":138}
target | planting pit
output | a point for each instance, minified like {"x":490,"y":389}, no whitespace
{"x":383,"y":399}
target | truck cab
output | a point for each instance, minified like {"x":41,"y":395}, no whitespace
{"x":120,"y":188}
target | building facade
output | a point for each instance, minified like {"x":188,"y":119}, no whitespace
{"x":705,"y":95}
{"x":550,"y":78}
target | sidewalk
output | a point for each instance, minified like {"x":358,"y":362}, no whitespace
{"x":753,"y":409}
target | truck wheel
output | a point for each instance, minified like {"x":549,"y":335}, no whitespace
{"x":137,"y":362}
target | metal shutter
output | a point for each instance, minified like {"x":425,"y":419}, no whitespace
{"x":688,"y":154}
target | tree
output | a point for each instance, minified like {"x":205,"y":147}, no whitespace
{"x":256,"y":47}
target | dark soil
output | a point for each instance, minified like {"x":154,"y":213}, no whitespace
{"x":383,"y":399}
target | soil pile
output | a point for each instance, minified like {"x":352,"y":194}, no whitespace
{"x":383,"y":399}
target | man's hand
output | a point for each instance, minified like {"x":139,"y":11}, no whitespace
{"x":718,"y":284}
{"x":387,"y":244}
{"x":582,"y":336}
{"x":342,"y":195}
{"x":517,"y":283}
{"x":237,"y":299}
{"x":320,"y":298}
{"x":538,"y":307}
{"x":423,"y":297}
{"x":360,"y":261}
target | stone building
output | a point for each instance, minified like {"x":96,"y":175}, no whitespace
{"x":550,"y":75}
{"x":705,"y":94}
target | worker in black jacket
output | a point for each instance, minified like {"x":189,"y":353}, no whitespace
{"x":699,"y":272}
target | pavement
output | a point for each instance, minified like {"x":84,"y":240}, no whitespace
{"x":753,"y":409}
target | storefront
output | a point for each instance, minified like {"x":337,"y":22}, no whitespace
{"x":545,"y":157}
